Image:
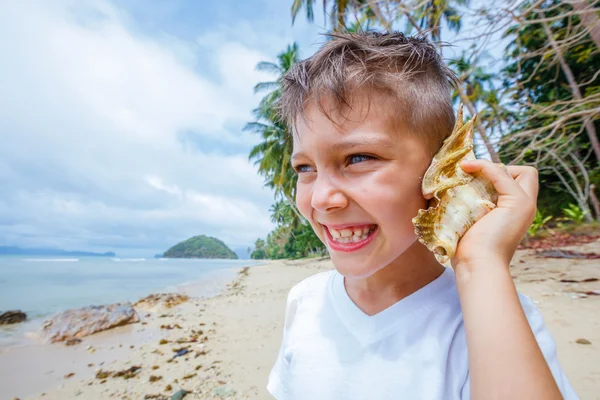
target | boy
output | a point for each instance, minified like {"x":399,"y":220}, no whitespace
{"x":368,"y":113}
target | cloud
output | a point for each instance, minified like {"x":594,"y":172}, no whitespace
{"x":92,"y":115}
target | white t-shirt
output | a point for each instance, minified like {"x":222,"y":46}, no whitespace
{"x":415,"y":349}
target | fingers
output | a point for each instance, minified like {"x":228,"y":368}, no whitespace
{"x":519,"y":179}
{"x":503,"y":182}
{"x":527,"y":178}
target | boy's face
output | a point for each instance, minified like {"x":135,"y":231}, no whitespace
{"x":363,"y":179}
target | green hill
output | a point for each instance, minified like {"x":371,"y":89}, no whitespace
{"x":200,"y":247}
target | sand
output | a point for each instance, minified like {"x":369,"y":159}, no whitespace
{"x":241,"y":332}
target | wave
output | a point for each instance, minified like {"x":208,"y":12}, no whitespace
{"x":52,"y":259}
{"x":128,"y":259}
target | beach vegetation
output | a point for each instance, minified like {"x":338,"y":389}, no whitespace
{"x":574,"y":213}
{"x":538,"y":222}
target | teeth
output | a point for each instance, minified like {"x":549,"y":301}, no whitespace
{"x":346,"y":233}
{"x":348,"y":236}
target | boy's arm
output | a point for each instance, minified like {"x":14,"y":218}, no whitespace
{"x":505,"y":361}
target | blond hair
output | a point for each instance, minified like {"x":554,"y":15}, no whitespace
{"x":409,"y":71}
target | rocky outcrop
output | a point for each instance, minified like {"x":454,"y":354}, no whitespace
{"x":85,"y":321}
{"x":12,"y":317}
{"x":159,"y":301}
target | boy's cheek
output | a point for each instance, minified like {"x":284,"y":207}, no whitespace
{"x":304,"y":207}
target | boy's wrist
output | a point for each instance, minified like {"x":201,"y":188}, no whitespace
{"x":464,"y":271}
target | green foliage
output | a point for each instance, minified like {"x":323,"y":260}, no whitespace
{"x":574,"y":213}
{"x":259,"y":252}
{"x":200,"y":247}
{"x":431,"y":13}
{"x":304,"y":243}
{"x":272,"y":154}
{"x":292,"y":238}
{"x":538,"y":222}
{"x":343,"y":14}
{"x":534,"y":81}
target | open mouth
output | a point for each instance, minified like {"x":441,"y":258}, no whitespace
{"x":350,"y":238}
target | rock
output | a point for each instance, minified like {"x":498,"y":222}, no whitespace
{"x":180,"y":352}
{"x":223,"y":391}
{"x":72,"y":342}
{"x":179,"y":395}
{"x":12,"y":317}
{"x":159,"y":301}
{"x":85,"y":321}
{"x":583,"y":341}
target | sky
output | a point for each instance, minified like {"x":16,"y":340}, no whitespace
{"x":121,"y":122}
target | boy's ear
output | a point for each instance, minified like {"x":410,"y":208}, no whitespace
{"x":433,"y":202}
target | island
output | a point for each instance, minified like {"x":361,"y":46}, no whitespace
{"x":14,"y":251}
{"x":200,"y":247}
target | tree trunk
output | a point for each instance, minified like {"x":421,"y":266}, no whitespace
{"x":490,"y":148}
{"x":589,"y":125}
{"x":589,"y":18}
{"x":594,"y":201}
{"x":292,"y":204}
{"x":579,"y":192}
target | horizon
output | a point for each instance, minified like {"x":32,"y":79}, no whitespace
{"x":116,"y":115}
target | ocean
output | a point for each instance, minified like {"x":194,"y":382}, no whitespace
{"x":43,"y":286}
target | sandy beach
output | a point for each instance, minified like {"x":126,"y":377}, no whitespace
{"x":237,"y":335}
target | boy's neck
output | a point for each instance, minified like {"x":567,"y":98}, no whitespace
{"x":414,"y":269}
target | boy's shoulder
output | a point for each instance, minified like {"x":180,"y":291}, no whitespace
{"x":314,"y":284}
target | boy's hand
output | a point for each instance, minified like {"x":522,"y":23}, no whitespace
{"x":496,"y":236}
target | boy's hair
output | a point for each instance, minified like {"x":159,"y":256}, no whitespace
{"x":407,"y":71}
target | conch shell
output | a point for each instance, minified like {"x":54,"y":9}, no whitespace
{"x":462,"y":198}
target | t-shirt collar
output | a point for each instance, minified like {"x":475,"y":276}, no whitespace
{"x":368,"y":329}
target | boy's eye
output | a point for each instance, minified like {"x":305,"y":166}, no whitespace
{"x":303,"y":168}
{"x":357,"y":158}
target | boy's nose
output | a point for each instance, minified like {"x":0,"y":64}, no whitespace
{"x":327,"y":197}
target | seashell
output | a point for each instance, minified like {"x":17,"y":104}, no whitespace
{"x":462,"y":199}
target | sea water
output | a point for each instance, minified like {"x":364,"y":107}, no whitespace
{"x":43,"y":286}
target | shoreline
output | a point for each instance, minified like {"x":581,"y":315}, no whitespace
{"x":241,"y":333}
{"x":52,"y":361}
{"x":19,"y":335}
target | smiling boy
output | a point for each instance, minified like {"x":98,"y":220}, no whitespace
{"x":368,"y":113}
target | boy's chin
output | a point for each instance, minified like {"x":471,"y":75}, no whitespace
{"x":352,"y":267}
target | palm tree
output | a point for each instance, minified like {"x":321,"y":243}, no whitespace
{"x":272,"y":155}
{"x":279,"y":212}
{"x":430,"y":16}
{"x":340,"y":12}
{"x":285,"y":60}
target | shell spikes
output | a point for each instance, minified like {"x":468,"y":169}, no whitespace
{"x":462,"y":198}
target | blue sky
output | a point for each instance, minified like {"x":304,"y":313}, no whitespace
{"x":121,"y":122}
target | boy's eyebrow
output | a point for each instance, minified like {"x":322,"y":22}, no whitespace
{"x":345,"y":146}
